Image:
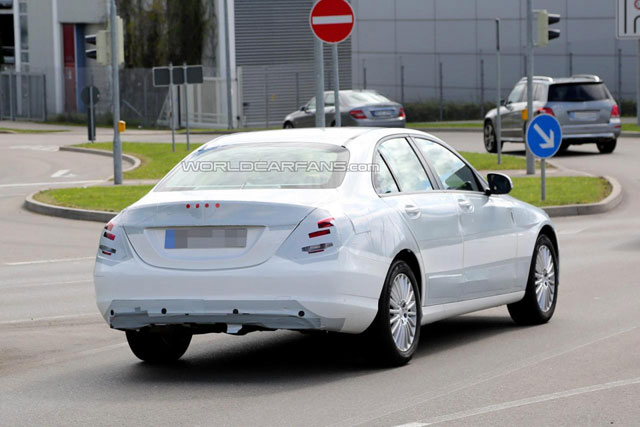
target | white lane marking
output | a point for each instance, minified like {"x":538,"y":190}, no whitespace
{"x":413,"y":425}
{"x":532,"y":400}
{"x":335,"y":19}
{"x":26,"y":184}
{"x":49,"y":318}
{"x":523,"y":364}
{"x":60,"y":173}
{"x":40,"y":284}
{"x":46,"y":261}
{"x":34,"y":147}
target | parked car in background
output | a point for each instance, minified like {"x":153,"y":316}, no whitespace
{"x":357,"y":108}
{"x":582,"y":104}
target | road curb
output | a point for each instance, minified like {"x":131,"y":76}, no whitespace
{"x":63,"y":212}
{"x":609,"y":203}
{"x":134,"y":161}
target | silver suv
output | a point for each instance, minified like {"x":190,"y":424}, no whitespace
{"x":582,"y":104}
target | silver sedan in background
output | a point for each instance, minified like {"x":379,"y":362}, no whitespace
{"x":357,"y":108}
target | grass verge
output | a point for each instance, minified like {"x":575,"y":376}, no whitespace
{"x":630,"y":127}
{"x":560,"y":191}
{"x":112,"y":198}
{"x":15,"y":130}
{"x":156,"y":159}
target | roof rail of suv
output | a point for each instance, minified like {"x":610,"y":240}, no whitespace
{"x":587,"y":76}
{"x":544,"y":78}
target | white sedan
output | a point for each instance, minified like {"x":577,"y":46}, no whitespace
{"x":346,"y":230}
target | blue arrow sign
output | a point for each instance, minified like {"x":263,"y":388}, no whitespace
{"x":544,"y":136}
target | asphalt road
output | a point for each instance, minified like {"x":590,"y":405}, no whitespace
{"x":61,"y":365}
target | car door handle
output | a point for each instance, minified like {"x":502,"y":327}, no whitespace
{"x":412,"y":211}
{"x":466,"y":206}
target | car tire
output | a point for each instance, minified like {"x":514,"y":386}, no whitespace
{"x":158,"y":347}
{"x":607,"y":146}
{"x":489,"y":136}
{"x":541,"y":294}
{"x":391,"y":342}
{"x":287,"y":125}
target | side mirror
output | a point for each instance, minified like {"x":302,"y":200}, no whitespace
{"x":503,"y":102}
{"x":499,"y":184}
{"x":303,"y":108}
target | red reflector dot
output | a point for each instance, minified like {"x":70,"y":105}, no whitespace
{"x":206,"y":205}
{"x":197,"y":205}
{"x":217,"y":205}
{"x":188,"y":205}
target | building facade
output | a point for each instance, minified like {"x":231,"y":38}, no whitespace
{"x":407,"y":40}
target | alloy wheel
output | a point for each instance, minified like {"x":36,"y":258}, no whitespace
{"x":545,"y":278}
{"x":403,"y":314}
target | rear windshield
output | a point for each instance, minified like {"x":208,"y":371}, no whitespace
{"x":577,"y":92}
{"x":366,"y":98}
{"x":260,"y":165}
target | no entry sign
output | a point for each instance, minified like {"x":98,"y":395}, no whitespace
{"x":331,"y":20}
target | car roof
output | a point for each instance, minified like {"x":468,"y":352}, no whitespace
{"x":336,"y":136}
{"x":576,"y":78}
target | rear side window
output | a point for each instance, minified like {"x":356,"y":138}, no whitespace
{"x":382,"y":179}
{"x":577,"y":92}
{"x":405,"y":166}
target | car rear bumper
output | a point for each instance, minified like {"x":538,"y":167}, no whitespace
{"x":338,"y":294}
{"x":593,"y":132}
{"x":395,"y":122}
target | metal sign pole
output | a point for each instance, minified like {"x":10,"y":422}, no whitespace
{"x":498,"y":90}
{"x":228,"y":64}
{"x":531,"y":165}
{"x":319,"y":62}
{"x":336,"y":85}
{"x":171,"y":115}
{"x":638,"y":85}
{"x":92,"y":136}
{"x":117,"y":145}
{"x":543,"y":176}
{"x":186,"y":101}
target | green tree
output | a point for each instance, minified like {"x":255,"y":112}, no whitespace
{"x":159,"y":31}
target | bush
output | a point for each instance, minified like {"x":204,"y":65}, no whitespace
{"x":627,"y":108}
{"x":429,"y":111}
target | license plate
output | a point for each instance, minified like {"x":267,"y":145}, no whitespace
{"x":382,"y":113}
{"x":584,"y":115}
{"x":205,"y":238}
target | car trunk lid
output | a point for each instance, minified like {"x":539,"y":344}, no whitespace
{"x":211,"y":230}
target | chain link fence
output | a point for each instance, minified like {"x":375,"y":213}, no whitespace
{"x":23,"y":96}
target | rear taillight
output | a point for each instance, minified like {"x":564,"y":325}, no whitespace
{"x":357,"y":114}
{"x":546,"y":110}
{"x":107,"y":233}
{"x":323,"y":225}
{"x":615,"y":111}
{"x":401,"y":113}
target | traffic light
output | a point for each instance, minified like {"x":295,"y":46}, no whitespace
{"x":544,"y":33}
{"x":102,"y":42}
{"x":101,"y":51}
